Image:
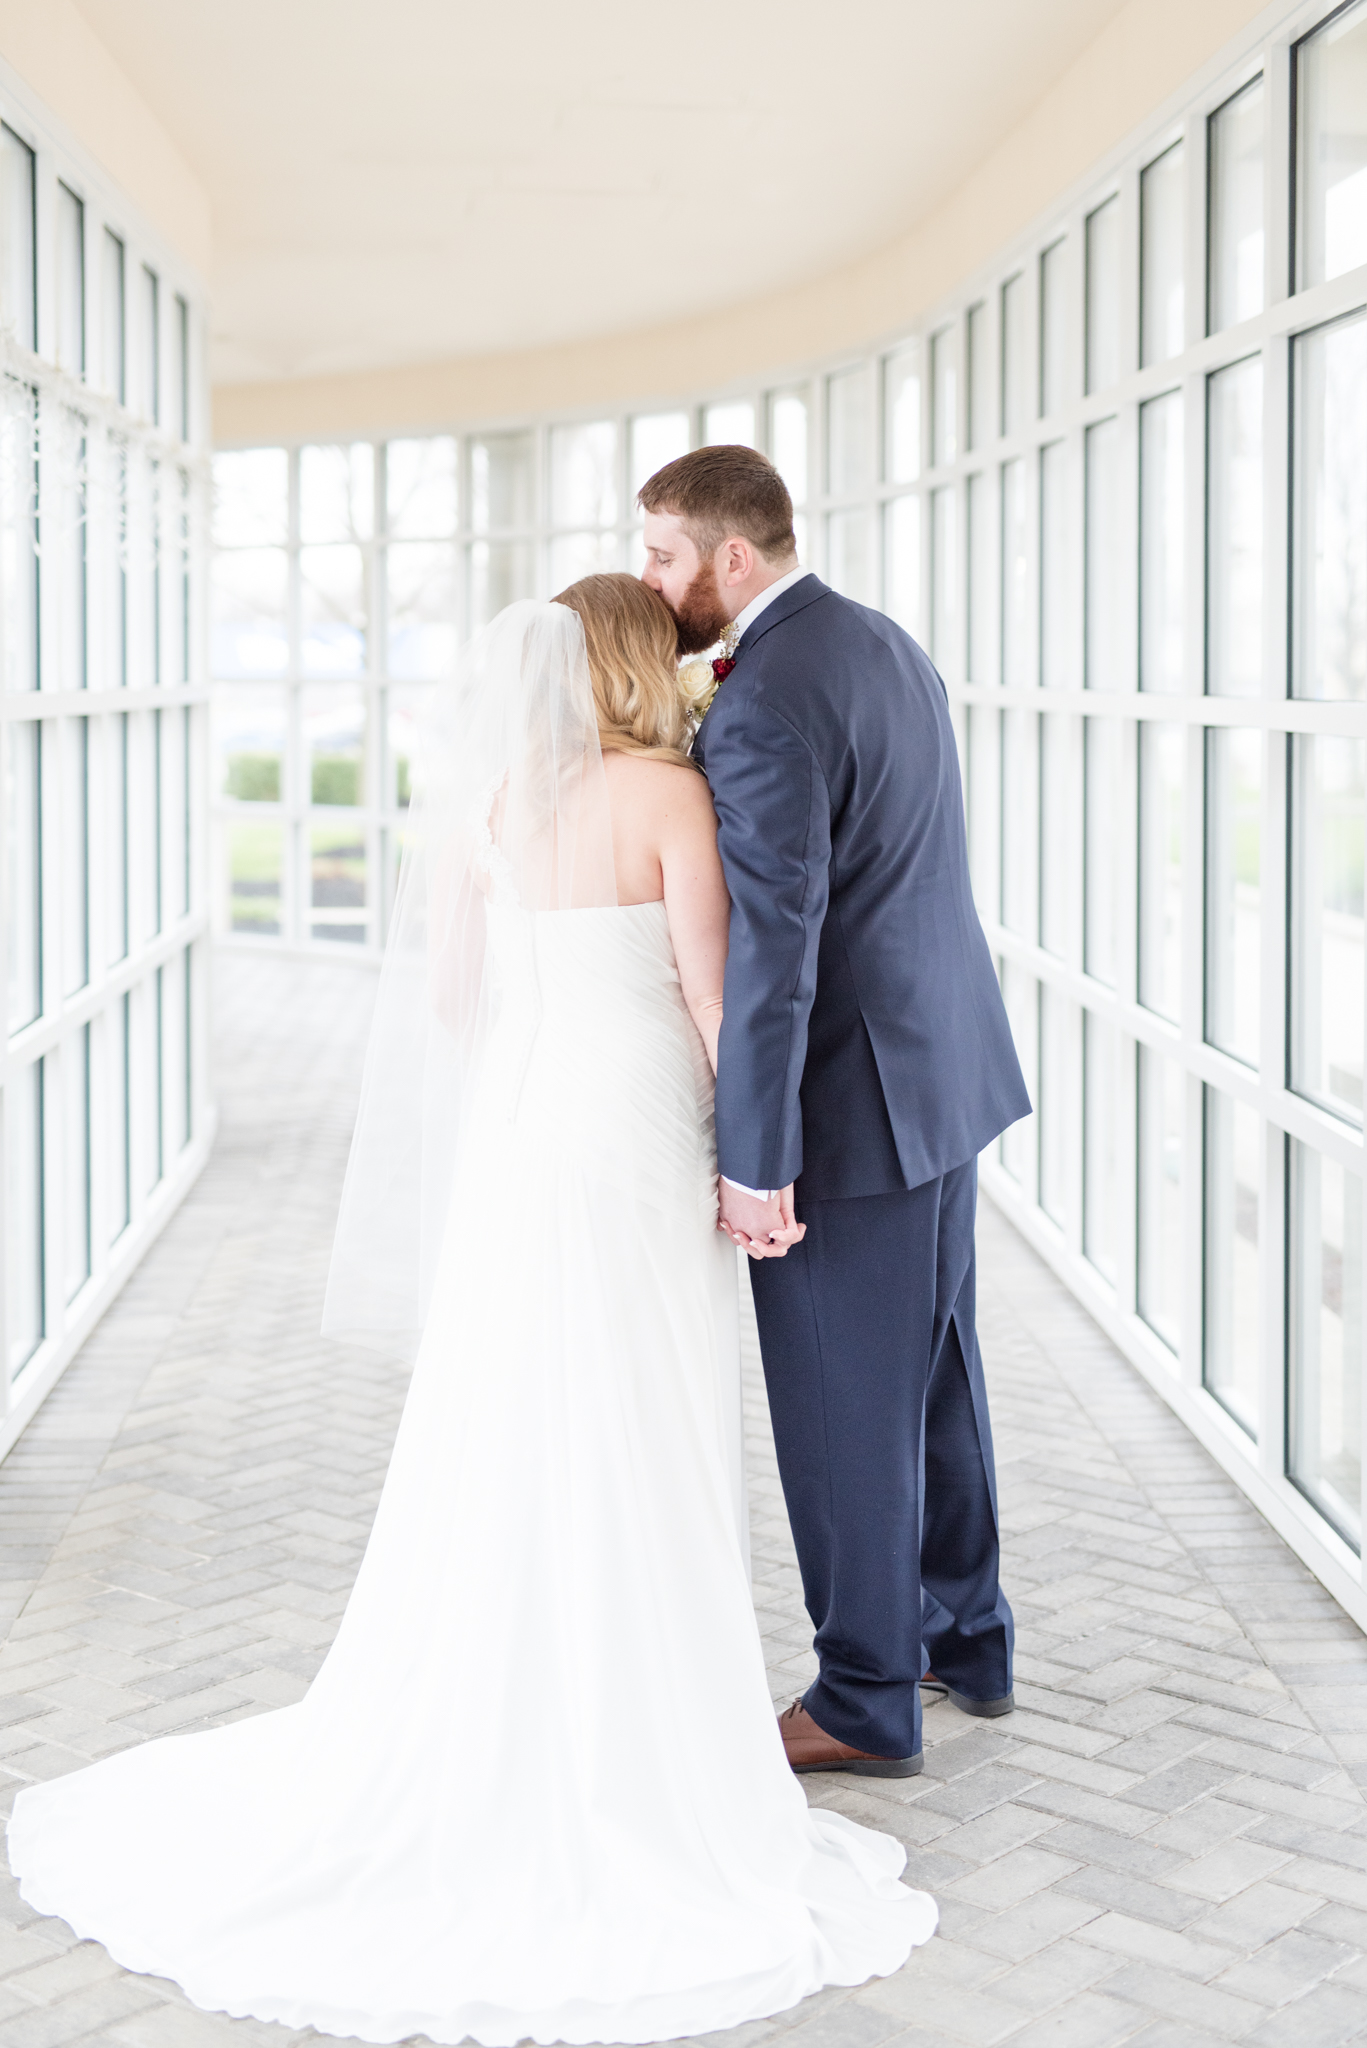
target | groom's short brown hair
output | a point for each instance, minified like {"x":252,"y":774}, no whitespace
{"x":729,"y":489}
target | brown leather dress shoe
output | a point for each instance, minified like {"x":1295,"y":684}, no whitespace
{"x":810,"y":1748}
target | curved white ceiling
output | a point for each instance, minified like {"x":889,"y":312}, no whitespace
{"x":404,"y":180}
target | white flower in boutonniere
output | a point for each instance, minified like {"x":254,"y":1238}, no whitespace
{"x":701,"y":678}
{"x":698,"y":685}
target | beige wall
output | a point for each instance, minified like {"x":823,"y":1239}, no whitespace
{"x":64,"y":63}
{"x":1147,"y":53}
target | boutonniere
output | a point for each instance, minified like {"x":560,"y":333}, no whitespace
{"x":700,"y":679}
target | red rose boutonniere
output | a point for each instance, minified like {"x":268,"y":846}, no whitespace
{"x":700,"y":679}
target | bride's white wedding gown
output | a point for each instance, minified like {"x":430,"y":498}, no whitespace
{"x":537,"y":1788}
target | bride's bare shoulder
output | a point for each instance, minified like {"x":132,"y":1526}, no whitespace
{"x":637,"y":779}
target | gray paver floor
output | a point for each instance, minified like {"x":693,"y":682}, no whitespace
{"x":1166,"y":1844}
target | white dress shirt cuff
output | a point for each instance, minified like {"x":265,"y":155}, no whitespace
{"x":760,"y":1194}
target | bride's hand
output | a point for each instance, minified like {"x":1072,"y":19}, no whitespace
{"x":764,"y":1230}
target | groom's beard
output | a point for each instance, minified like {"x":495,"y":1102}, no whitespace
{"x":700,"y":616}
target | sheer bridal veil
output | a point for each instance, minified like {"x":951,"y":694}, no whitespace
{"x":509,"y":808}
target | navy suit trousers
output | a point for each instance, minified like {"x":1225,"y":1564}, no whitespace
{"x":885,"y":1451}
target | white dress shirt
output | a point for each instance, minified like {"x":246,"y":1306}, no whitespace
{"x":743,"y":620}
{"x":746,"y":619}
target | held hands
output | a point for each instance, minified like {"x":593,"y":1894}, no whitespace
{"x":763,"y":1229}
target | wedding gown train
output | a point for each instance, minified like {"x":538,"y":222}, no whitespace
{"x":536,"y":1788}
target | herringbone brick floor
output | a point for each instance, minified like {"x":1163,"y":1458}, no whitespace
{"x":1166,"y":1845}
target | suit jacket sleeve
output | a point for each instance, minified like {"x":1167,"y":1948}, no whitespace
{"x":774,"y":820}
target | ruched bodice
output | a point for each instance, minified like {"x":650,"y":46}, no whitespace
{"x":591,"y":1047}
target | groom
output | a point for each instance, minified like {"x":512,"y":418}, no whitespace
{"x":865,"y":1062}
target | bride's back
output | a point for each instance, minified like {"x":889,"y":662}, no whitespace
{"x":651,"y":801}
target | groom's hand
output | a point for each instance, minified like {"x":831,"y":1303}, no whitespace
{"x":763,"y":1229}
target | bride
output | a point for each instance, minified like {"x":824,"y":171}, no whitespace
{"x":537,"y":1788}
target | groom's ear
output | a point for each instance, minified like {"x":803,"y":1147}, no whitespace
{"x":735,"y":560}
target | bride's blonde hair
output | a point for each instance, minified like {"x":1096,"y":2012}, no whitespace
{"x":632,"y":641}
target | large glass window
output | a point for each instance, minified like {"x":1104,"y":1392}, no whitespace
{"x":334,"y":614}
{"x":73,"y":736}
{"x":849,"y":554}
{"x":1236,"y":140}
{"x":337,"y":883}
{"x":1104,"y":871}
{"x":70,"y":277}
{"x":584,"y":475}
{"x":148,"y":357}
{"x":256,"y":879}
{"x":1103,"y":296}
{"x":100,"y":592}
{"x":334,"y":746}
{"x":1057,"y":813}
{"x":1234,"y":531}
{"x":944,"y":592}
{"x":730,"y":423}
{"x":1055,"y":1102}
{"x":1056,"y":611}
{"x":249,"y":626}
{"x":181,"y":359}
{"x":944,"y":398}
{"x":789,"y":436}
{"x":1015,"y":577}
{"x":1331,"y":129}
{"x":1020,"y":831}
{"x":1329,"y":602}
{"x":984,"y":809}
{"x":902,"y":562}
{"x":18,"y":270}
{"x":849,"y":471}
{"x":502,"y":482}
{"x":1015,"y":356}
{"x":24,"y":872}
{"x":849,"y":432}
{"x":661,"y":437}
{"x":1103,"y":1095}
{"x":1053,"y":329}
{"x":1233,"y":1240}
{"x":1162,"y":1238}
{"x":118,"y":1121}
{"x":982,"y":580}
{"x":902,"y":416}
{"x":1020,"y":992}
{"x":19,"y":536}
{"x":501,"y":571}
{"x":1234,"y":783}
{"x":25,"y":1236}
{"x":113,"y":736}
{"x":1162,"y":243}
{"x":1105,"y":636}
{"x":336,"y":514}
{"x":980,"y":424}
{"x":1162,"y":545}
{"x":250,"y":741}
{"x":1325,"y":1406}
{"x":420,"y":610}
{"x":1162,"y":805}
{"x":1328,"y":806}
{"x":421,"y":488}
{"x":113,"y":316}
{"x":75,"y":1066}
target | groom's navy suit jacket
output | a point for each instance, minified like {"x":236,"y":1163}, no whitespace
{"x":865,"y":1046}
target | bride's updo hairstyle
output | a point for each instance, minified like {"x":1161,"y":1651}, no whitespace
{"x":631,"y":640}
